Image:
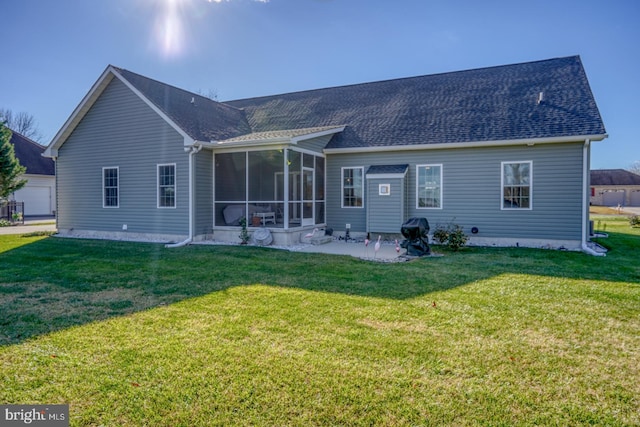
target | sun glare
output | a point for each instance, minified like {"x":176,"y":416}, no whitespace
{"x":169,"y":32}
{"x":170,"y":29}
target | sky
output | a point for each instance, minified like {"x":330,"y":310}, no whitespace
{"x":54,"y":50}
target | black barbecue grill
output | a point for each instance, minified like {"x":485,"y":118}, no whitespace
{"x":416,"y":233}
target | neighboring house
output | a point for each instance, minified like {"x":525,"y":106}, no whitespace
{"x":503,"y":151}
{"x":39,"y":193}
{"x":613,"y":187}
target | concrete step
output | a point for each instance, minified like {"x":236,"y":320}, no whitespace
{"x":321,"y":240}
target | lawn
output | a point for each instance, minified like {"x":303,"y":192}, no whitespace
{"x":133,"y":334}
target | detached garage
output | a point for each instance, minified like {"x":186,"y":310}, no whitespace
{"x":613,"y":187}
{"x":40,"y":192}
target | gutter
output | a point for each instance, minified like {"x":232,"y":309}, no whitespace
{"x":472,"y":144}
{"x":192,"y":150}
{"x":585,"y":200}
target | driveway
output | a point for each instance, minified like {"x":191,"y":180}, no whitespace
{"x":30,"y":226}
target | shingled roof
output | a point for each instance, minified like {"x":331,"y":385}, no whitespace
{"x":201,"y":118}
{"x":29,"y":153}
{"x":387,"y":169}
{"x":487,"y":104}
{"x":548,"y":99}
{"x":614,"y":177}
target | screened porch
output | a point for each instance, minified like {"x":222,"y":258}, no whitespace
{"x":276,"y":188}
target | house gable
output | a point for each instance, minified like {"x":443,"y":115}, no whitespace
{"x":193,"y":116}
{"x":121,"y":132}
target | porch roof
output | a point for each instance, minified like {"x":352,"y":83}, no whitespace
{"x":291,"y":136}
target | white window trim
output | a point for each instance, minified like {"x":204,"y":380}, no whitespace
{"x":342,"y":187}
{"x":117,"y":168}
{"x":441,"y":185}
{"x":175,"y":186}
{"x":530,"y":162}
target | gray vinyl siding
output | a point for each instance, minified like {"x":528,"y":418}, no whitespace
{"x":316,"y":144}
{"x":336,"y":216}
{"x":472,"y":190}
{"x":120,"y":130}
{"x":385,"y":214}
{"x":203,"y":190}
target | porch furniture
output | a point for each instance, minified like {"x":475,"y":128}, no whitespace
{"x":266,"y":217}
{"x":234,"y":212}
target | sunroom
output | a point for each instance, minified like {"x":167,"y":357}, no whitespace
{"x":271,"y":179}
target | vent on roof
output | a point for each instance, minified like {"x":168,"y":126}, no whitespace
{"x":540,"y":98}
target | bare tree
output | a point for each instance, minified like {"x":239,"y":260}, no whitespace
{"x":634,"y":167}
{"x":23,"y":123}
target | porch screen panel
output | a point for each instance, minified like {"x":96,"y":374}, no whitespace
{"x":295,"y":178}
{"x":308,"y":160}
{"x":231,"y":176}
{"x":319,"y":178}
{"x":295,"y":187}
{"x":264,"y":167}
{"x":320,"y":213}
{"x":230,"y":187}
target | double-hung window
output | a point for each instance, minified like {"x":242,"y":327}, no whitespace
{"x":429,"y":186}
{"x":110,"y":187}
{"x":352,"y":187}
{"x":516,"y":185}
{"x":167,"y":186}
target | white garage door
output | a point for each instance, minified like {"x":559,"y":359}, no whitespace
{"x":613,"y":198}
{"x":37,"y":200}
{"x":635,"y":198}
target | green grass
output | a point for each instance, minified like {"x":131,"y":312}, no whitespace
{"x":135,"y":334}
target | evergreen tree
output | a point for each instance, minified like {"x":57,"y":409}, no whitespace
{"x":10,"y":168}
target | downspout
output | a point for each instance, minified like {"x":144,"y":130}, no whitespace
{"x":55,"y":171}
{"x":192,"y":150}
{"x":585,"y":200}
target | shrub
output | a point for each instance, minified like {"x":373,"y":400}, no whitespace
{"x":440,"y":234}
{"x":451,"y":235}
{"x":244,"y":234}
{"x":4,"y":223}
{"x":457,"y":237}
{"x":634,"y":220}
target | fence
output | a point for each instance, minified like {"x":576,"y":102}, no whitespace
{"x":12,"y":211}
